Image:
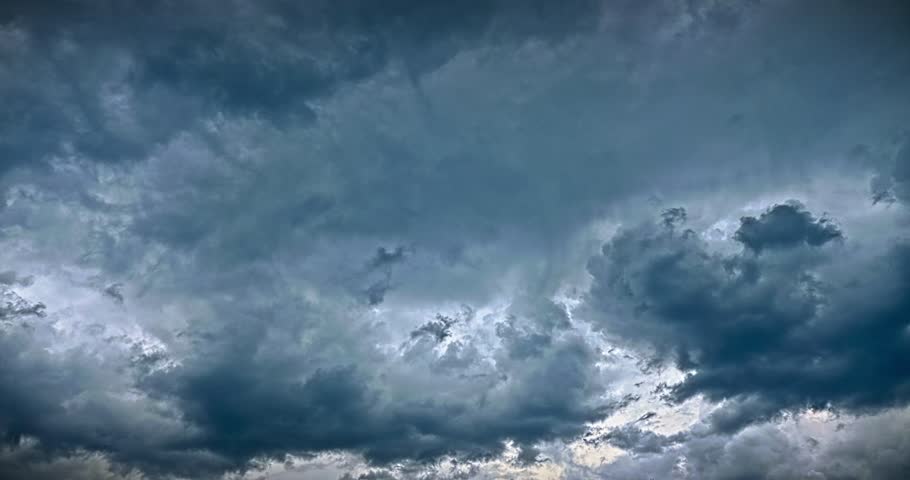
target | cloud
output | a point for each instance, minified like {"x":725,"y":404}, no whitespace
{"x":781,"y":450}
{"x":799,"y":328}
{"x":243,"y":412}
{"x":230,"y":168}
{"x":439,"y":329}
{"x":785,"y":226}
{"x":13,"y":306}
{"x":245,"y":391}
{"x":385,"y":257}
{"x":27,"y":461}
{"x":10,"y":277}
{"x":892,"y":176}
{"x":372,"y":475}
{"x":142,"y":79}
{"x":81,"y":396}
{"x":114,"y":291}
{"x":383,"y":261}
{"x":635,"y":440}
{"x":376,"y":291}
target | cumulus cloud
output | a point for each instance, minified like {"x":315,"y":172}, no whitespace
{"x":408,"y":412}
{"x":785,"y":226}
{"x":771,"y":332}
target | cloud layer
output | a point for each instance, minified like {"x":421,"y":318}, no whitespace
{"x":605,"y":239}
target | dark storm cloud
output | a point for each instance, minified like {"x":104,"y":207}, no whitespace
{"x":785,"y":226}
{"x":74,"y":401}
{"x":244,"y":413}
{"x":187,"y":69}
{"x":232,"y":164}
{"x":67,"y":65}
{"x":798,"y":328}
{"x":247,"y":390}
{"x":168,"y":70}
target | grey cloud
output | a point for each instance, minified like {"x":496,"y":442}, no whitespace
{"x":528,"y":455}
{"x":637,"y":441}
{"x":74,"y":401}
{"x":647,"y":416}
{"x":233,"y":164}
{"x":886,"y":160}
{"x":376,"y":291}
{"x":901,"y":174}
{"x":73,"y":394}
{"x":881,"y":190}
{"x":176,"y":59}
{"x":168,"y":65}
{"x":13,"y":306}
{"x":418,"y":410}
{"x":531,"y":328}
{"x":739,"y":412}
{"x":439,"y":329}
{"x":892,"y":182}
{"x":371,"y":475}
{"x":27,"y":461}
{"x":115,"y":292}
{"x":673,"y":217}
{"x":383,"y":261}
{"x":784,"y":226}
{"x":10,"y":277}
{"x":806,"y":329}
{"x":386,"y":257}
{"x":450,"y":470}
{"x":870,"y":448}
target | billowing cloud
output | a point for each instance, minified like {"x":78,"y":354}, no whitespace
{"x":789,"y":328}
{"x":237,"y":233}
{"x":785,"y":226}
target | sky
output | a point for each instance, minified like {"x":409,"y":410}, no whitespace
{"x":483,"y":239}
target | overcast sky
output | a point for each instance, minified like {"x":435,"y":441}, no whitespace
{"x":422,"y":239}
